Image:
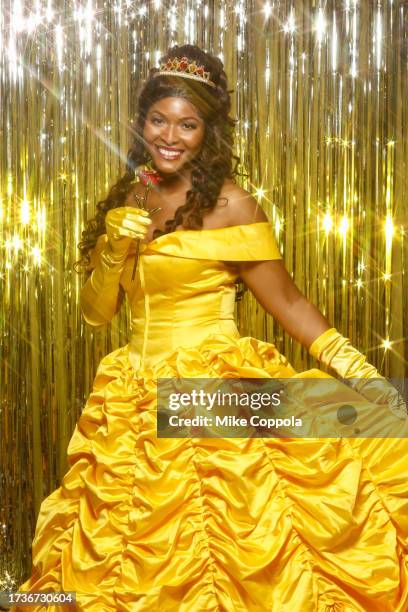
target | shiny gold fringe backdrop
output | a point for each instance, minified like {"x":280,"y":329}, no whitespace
{"x":321,"y":94}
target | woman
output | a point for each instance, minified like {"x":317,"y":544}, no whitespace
{"x":148,"y":523}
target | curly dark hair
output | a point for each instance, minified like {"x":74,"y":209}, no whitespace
{"x":210,"y":167}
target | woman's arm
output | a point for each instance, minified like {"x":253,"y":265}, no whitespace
{"x":275,"y":290}
{"x":269,"y":281}
{"x":101,"y":296}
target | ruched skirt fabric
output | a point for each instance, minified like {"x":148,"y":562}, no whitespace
{"x":142,"y":523}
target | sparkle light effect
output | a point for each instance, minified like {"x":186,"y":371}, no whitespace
{"x":25,"y":212}
{"x":267,"y":9}
{"x":290,"y":27}
{"x":389,"y":232}
{"x":320,"y":132}
{"x":386,"y":344}
{"x":327,"y":223}
{"x":259,"y":192}
{"x":344,"y":226}
{"x":320,"y":26}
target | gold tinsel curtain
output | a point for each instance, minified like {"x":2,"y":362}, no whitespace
{"x":321,"y":94}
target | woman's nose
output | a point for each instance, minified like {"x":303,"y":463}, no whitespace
{"x":170,"y":135}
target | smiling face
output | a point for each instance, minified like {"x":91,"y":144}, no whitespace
{"x":173,"y":134}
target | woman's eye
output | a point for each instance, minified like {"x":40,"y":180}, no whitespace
{"x":159,"y":121}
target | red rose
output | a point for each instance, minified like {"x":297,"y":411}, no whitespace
{"x":149,"y":177}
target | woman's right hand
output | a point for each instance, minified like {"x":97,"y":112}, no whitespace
{"x":124,"y":224}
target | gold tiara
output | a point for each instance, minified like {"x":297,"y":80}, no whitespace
{"x":186,"y":69}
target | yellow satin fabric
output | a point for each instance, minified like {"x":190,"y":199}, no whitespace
{"x":332,"y":349}
{"x":142,"y":523}
{"x":183,"y":291}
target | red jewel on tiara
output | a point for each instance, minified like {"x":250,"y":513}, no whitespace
{"x":183,"y":67}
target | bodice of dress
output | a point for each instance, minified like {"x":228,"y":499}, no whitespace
{"x":183,"y":289}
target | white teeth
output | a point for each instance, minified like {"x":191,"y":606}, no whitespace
{"x":169,"y":154}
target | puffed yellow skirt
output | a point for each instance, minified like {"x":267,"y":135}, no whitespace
{"x":142,"y":523}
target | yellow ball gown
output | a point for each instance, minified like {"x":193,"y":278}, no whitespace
{"x":142,"y":523}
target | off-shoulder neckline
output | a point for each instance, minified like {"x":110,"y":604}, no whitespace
{"x":201,"y":231}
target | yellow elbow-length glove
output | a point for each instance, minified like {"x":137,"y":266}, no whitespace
{"x":99,"y":295}
{"x":336,"y":352}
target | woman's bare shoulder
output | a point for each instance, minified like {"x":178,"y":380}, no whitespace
{"x":240,"y":207}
